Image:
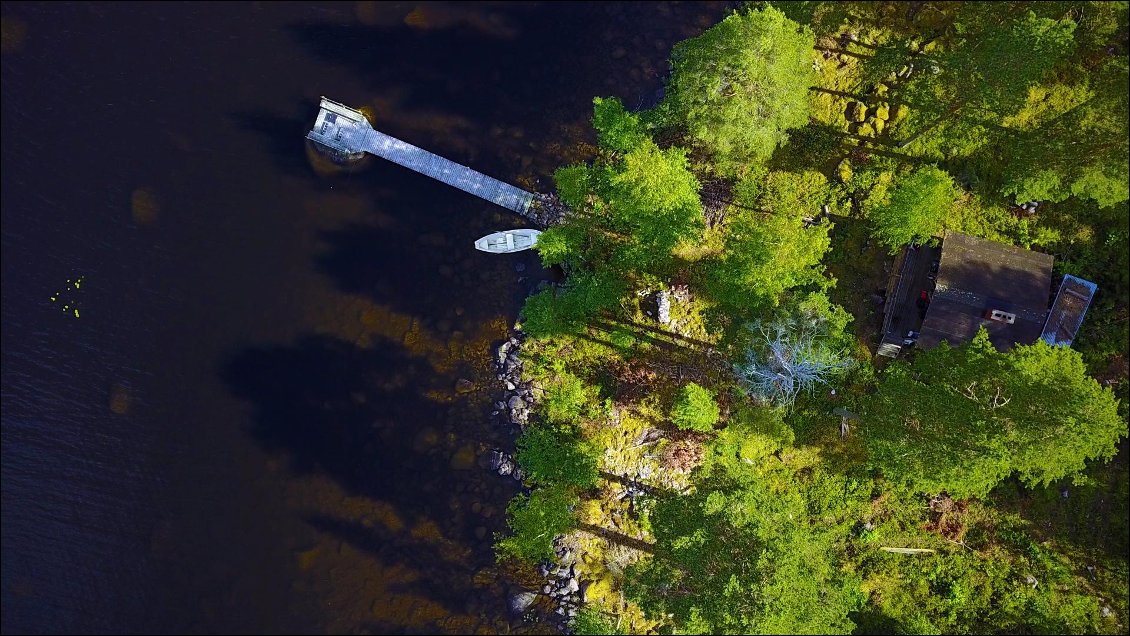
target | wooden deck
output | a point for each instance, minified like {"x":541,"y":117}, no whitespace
{"x":447,"y":171}
{"x":346,"y":132}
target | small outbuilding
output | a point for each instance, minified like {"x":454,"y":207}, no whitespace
{"x":1066,"y":315}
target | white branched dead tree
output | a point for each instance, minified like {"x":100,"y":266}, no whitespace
{"x":788,"y":357}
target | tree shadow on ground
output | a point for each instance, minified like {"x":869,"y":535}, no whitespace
{"x":687,"y":342}
{"x":654,"y":491}
{"x":618,"y":538}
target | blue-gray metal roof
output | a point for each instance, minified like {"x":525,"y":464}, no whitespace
{"x":1068,"y":310}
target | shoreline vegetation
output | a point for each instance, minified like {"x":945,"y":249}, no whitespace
{"x":708,"y":443}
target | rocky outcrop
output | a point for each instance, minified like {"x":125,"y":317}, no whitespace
{"x":547,"y":210}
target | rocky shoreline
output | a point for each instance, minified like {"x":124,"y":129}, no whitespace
{"x":561,"y":585}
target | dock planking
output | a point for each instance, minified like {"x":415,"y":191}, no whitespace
{"x":348,"y":133}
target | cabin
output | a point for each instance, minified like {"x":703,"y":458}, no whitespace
{"x":987,"y":284}
{"x":972,"y":283}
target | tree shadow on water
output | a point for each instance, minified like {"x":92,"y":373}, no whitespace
{"x":435,"y":558}
{"x":548,"y":59}
{"x":283,"y":137}
{"x":361,"y":417}
{"x":422,"y":261}
{"x":342,"y":411}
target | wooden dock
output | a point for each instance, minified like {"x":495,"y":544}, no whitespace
{"x":346,"y":132}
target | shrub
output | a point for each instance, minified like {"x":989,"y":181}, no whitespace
{"x":695,"y":409}
{"x":567,"y":399}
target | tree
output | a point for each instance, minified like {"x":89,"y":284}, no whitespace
{"x":787,"y":357}
{"x":1082,"y":151}
{"x":916,"y":207}
{"x":560,"y":244}
{"x":979,"y":72}
{"x":617,"y":130}
{"x":553,"y":311}
{"x":567,"y":399}
{"x":535,"y":520}
{"x":552,"y":457}
{"x":990,"y":69}
{"x":750,"y":557}
{"x":634,"y":204}
{"x":961,"y":419}
{"x":695,"y":409}
{"x":741,"y":85}
{"x":769,"y":247}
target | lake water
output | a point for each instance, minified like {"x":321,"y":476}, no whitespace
{"x":252,"y":425}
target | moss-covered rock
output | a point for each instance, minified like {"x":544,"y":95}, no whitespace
{"x":859,"y":112}
{"x":883,"y":111}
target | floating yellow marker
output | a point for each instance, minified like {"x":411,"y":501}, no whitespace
{"x":67,"y":305}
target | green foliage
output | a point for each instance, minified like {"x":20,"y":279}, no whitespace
{"x":749,"y":558}
{"x":542,"y":315}
{"x":552,"y":457}
{"x":785,"y":193}
{"x":991,"y":68}
{"x":982,"y":588}
{"x":590,"y":621}
{"x":552,"y":311}
{"x":1079,"y":150}
{"x":534,"y":521}
{"x":962,"y":419}
{"x":639,"y":201}
{"x":751,"y":434}
{"x":916,"y":207}
{"x":572,"y":185}
{"x":653,"y":206}
{"x":695,"y":409}
{"x":559,"y":244}
{"x":741,"y":85}
{"x":567,"y":399}
{"x":767,"y":247}
{"x":616,"y":129}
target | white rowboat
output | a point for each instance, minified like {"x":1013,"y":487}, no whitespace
{"x":508,"y":241}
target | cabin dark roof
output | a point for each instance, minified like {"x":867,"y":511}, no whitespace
{"x":975,"y":277}
{"x":1067,"y":312}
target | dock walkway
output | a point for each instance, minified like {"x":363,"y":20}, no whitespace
{"x":347,"y":132}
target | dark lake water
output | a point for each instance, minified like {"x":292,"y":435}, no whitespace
{"x":252,"y":425}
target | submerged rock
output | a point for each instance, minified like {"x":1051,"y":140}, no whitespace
{"x":520,"y":600}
